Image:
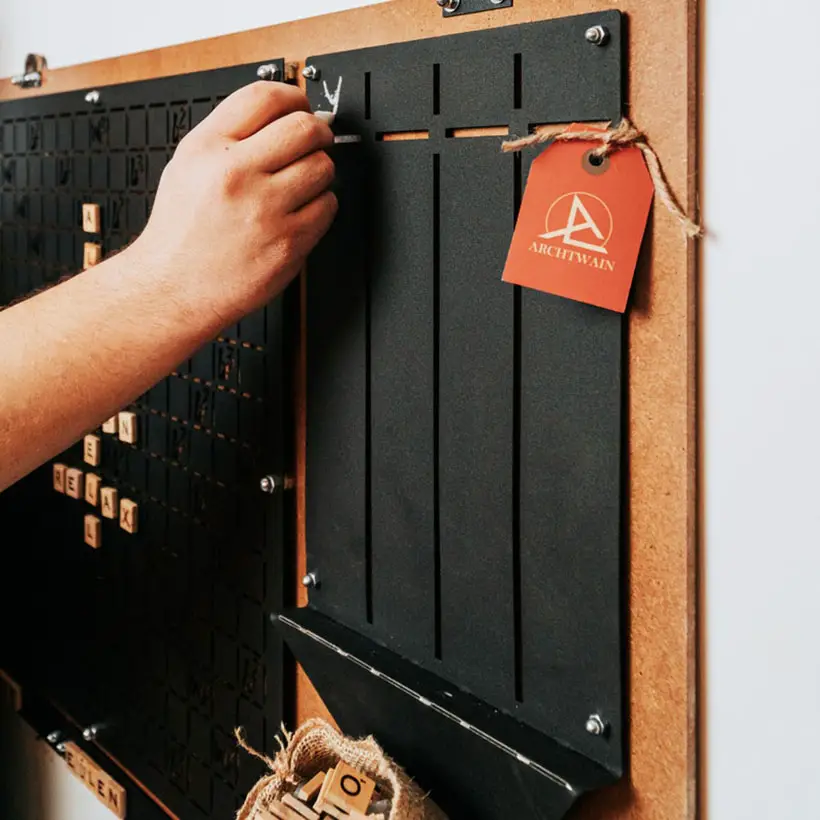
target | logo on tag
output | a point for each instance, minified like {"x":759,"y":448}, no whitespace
{"x":581,"y":223}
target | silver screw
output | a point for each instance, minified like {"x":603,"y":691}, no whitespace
{"x":595,"y":725}
{"x":53,"y":737}
{"x":90,"y":732}
{"x":92,"y":97}
{"x":269,"y":484}
{"x":60,"y":747}
{"x":310,"y":72}
{"x":267,"y":71}
{"x":449,"y":6}
{"x":597,"y":35}
{"x":311,"y":580}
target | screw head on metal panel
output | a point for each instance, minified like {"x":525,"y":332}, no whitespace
{"x":53,"y":737}
{"x":310,"y":580}
{"x":267,"y":72}
{"x":269,"y":484}
{"x":597,"y":35}
{"x":310,"y":72}
{"x":449,"y":5}
{"x":93,"y":97}
{"x":90,"y":732}
{"x":595,"y":725}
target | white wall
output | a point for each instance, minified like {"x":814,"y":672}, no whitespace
{"x":762,"y":418}
{"x":762,"y":361}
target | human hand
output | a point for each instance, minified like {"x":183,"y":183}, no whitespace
{"x":243,"y":201}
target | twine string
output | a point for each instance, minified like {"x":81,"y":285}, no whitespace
{"x":623,"y":135}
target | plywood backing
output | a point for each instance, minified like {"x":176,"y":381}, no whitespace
{"x":662,"y":352}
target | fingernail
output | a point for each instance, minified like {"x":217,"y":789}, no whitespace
{"x":325,"y":116}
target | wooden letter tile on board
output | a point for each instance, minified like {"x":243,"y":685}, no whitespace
{"x":91,"y":450}
{"x":92,"y":489}
{"x":58,"y":477}
{"x":108,"y":502}
{"x":110,"y":425}
{"x":129,"y":515}
{"x":98,"y":782}
{"x":93,"y":531}
{"x":74,"y":483}
{"x":92,"y":254}
{"x":128,"y":427}
{"x":91,"y":217}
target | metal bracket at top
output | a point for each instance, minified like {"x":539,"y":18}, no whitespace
{"x":455,"y":8}
{"x":32,"y":76}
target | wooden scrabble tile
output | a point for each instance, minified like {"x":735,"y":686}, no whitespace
{"x":92,"y":489}
{"x":58,"y":477}
{"x":108,"y":502}
{"x":348,"y":789}
{"x":93,"y":531}
{"x":320,"y":800}
{"x":331,"y":812}
{"x":92,"y":254}
{"x":110,"y":426}
{"x":283,"y":812}
{"x":129,"y":514}
{"x":110,"y":793}
{"x":298,"y":806}
{"x":91,"y":217}
{"x":74,"y":484}
{"x":308,"y":790}
{"x":128,"y":427}
{"x":92,"y":450}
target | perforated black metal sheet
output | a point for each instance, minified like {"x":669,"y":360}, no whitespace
{"x":464,"y":442}
{"x":162,"y":636}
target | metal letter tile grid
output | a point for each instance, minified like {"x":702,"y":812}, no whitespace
{"x":163,"y":636}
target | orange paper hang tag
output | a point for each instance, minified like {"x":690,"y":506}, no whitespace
{"x":581,"y":223}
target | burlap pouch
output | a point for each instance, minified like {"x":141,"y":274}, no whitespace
{"x":316,"y":746}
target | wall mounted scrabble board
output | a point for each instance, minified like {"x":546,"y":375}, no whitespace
{"x":656,"y":378}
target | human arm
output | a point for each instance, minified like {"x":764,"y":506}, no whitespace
{"x":239,"y":207}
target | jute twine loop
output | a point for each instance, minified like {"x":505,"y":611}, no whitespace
{"x":316,"y":746}
{"x":622,"y":135}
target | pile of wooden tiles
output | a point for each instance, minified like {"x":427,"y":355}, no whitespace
{"x":341,"y":793}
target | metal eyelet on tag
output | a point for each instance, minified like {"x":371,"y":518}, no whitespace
{"x":594,"y":163}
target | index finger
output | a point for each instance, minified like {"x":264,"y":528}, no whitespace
{"x":251,"y":108}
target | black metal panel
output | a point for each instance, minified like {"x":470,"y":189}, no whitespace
{"x":159,"y":635}
{"x":464,"y":436}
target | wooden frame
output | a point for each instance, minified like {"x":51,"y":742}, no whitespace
{"x":662,"y":408}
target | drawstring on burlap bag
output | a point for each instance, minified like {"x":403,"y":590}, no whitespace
{"x":315,"y":747}
{"x":623,"y":135}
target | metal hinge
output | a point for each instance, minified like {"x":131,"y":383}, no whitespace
{"x":32,"y":76}
{"x":454,"y":8}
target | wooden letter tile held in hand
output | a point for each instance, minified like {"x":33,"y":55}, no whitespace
{"x":128,"y":427}
{"x":129,"y":515}
{"x":108,"y":500}
{"x":92,"y":489}
{"x":74,"y":483}
{"x":91,"y":450}
{"x":91,"y":217}
{"x":58,"y":477}
{"x":93,"y":531}
{"x":92,"y":254}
